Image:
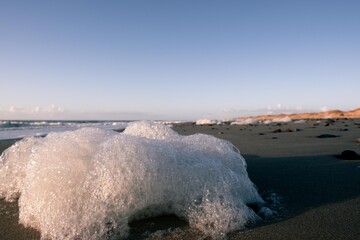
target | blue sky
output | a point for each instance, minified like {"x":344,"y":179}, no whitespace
{"x":177,"y":59}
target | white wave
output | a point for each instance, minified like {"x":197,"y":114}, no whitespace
{"x":36,"y":128}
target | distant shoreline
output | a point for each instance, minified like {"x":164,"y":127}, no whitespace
{"x":312,"y":115}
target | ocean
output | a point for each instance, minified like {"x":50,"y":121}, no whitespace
{"x":15,"y":129}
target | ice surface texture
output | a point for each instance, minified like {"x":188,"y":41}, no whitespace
{"x":91,"y":183}
{"x":206,"y":121}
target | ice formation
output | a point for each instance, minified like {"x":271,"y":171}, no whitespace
{"x":267,"y":122}
{"x":300,"y":121}
{"x":90,"y":183}
{"x":282,"y":120}
{"x":247,"y":121}
{"x":206,"y":121}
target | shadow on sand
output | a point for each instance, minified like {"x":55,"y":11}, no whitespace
{"x":306,"y":182}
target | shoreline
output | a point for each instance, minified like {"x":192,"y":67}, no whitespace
{"x":330,"y":114}
{"x":320,"y":193}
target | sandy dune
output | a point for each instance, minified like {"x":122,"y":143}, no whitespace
{"x":318,"y":115}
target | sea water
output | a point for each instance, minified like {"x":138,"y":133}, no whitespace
{"x":90,"y":183}
{"x":13,"y":129}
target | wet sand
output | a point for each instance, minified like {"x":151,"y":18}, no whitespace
{"x":320,"y":193}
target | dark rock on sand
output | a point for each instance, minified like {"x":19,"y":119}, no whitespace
{"x":349,"y":155}
{"x":327,"y":135}
{"x":288,"y":130}
{"x":120,"y":130}
{"x":329,"y":121}
{"x":277,"y":130}
{"x":344,"y":129}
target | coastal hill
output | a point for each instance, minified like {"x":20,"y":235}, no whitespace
{"x":315,"y":115}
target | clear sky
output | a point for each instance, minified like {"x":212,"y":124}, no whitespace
{"x":170,"y":59}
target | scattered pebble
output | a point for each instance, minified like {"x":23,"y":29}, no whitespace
{"x":327,"y":135}
{"x":277,"y":130}
{"x":329,"y":121}
{"x":288,"y":130}
{"x":349,"y":155}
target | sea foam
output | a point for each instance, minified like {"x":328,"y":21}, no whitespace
{"x":90,"y":183}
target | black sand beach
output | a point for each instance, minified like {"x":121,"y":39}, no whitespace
{"x":320,"y":193}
